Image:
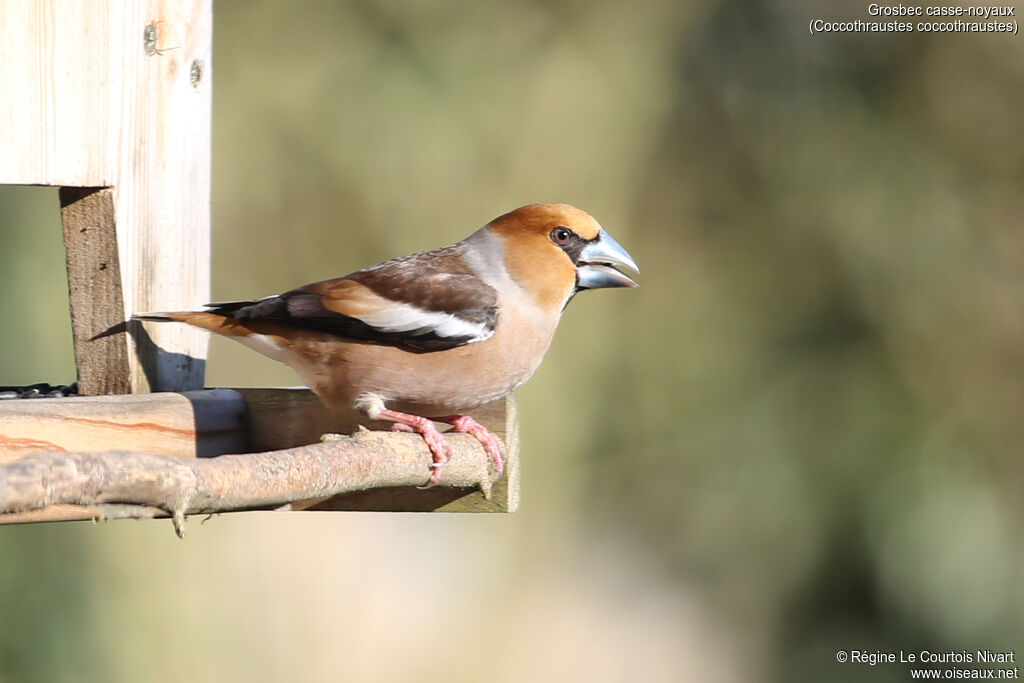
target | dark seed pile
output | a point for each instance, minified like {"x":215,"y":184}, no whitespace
{"x":41,"y":390}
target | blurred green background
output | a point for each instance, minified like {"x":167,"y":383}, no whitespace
{"x":802,"y":434}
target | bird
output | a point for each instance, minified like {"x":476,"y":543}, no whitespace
{"x":427,"y":337}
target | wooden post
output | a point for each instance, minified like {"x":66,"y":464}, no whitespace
{"x":94,"y":289}
{"x":116,"y":94}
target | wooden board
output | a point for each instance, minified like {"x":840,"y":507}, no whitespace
{"x":116,"y":94}
{"x":94,"y":290}
{"x":191,"y":424}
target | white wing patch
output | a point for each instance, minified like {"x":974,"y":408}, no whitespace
{"x":406,"y":318}
{"x":261,"y":343}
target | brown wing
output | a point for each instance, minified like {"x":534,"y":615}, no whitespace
{"x":427,"y":301}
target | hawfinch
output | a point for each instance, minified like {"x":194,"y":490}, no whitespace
{"x":436,"y":333}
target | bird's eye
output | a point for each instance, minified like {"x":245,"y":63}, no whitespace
{"x":561,"y":235}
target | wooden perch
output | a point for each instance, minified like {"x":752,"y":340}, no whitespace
{"x":179,"y":486}
{"x":255,"y":447}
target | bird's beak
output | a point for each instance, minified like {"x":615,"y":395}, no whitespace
{"x":596,"y":265}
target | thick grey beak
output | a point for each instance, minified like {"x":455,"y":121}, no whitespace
{"x":595,"y":267}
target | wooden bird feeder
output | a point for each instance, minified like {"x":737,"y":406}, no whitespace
{"x":110,"y":101}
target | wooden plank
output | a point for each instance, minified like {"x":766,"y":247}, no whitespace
{"x":94,"y":290}
{"x":220,"y":421}
{"x":117,"y":93}
{"x":163,"y":181}
{"x":284,"y":417}
{"x":191,"y":424}
{"x":61,"y":89}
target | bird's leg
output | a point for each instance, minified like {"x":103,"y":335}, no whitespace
{"x":438,"y":445}
{"x":491,"y":443}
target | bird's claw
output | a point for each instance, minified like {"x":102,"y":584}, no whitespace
{"x":439,"y":446}
{"x":435,"y":476}
{"x":491,"y":443}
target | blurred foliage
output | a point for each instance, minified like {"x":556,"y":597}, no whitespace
{"x":802,"y":434}
{"x":45,"y":634}
{"x":830,"y":444}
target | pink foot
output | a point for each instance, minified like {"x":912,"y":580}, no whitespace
{"x":438,"y":445}
{"x":491,"y":443}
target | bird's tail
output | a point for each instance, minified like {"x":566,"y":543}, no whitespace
{"x":169,"y":316}
{"x":207,"y":320}
{"x":156,"y":317}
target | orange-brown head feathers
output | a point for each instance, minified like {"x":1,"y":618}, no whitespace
{"x":554,"y":250}
{"x":541,"y":218}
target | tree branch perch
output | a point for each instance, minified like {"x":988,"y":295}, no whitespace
{"x":180,"y":486}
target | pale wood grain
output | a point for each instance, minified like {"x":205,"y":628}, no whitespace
{"x":191,"y":424}
{"x":87,"y":103}
{"x":163,"y":184}
{"x":61,"y":85}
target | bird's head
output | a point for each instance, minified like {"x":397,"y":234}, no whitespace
{"x":556,"y":250}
